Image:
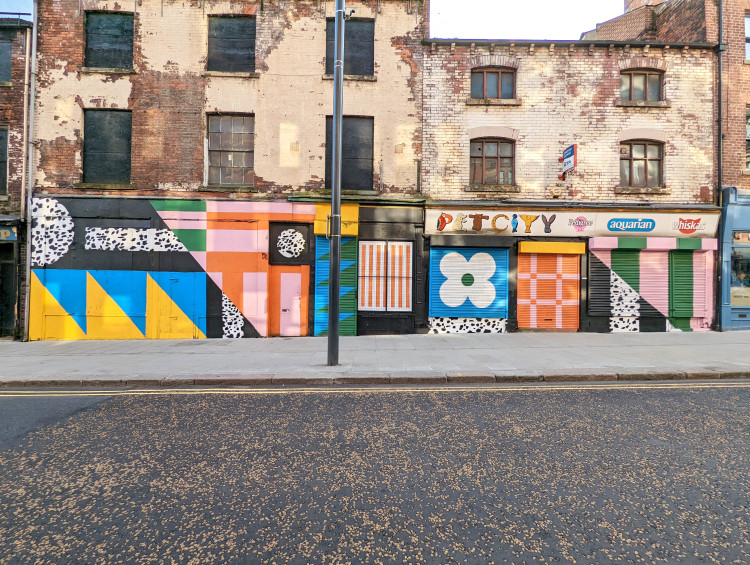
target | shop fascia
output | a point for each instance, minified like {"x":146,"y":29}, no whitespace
{"x":575,"y":223}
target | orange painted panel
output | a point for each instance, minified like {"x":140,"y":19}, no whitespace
{"x":548,"y":291}
{"x":275,"y":291}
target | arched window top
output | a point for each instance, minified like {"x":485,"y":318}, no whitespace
{"x":500,"y":132}
{"x":643,"y":134}
{"x":498,"y":61}
{"x":648,"y":63}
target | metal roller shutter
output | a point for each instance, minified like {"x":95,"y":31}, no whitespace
{"x":468,"y":282}
{"x":687,"y":284}
{"x":548,"y":291}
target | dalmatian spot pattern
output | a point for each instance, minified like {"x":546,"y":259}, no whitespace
{"x":232,"y":319}
{"x":132,"y":239}
{"x":623,"y":324}
{"x":51,"y":231}
{"x":444,"y":325}
{"x":623,"y":299}
{"x":290,"y":243}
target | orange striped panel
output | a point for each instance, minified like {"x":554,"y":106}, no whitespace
{"x":372,"y":276}
{"x":400,"y":276}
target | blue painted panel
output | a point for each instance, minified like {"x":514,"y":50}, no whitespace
{"x":128,"y":290}
{"x":348,"y":290}
{"x":188,"y":291}
{"x":468,"y":282}
{"x":69,"y":289}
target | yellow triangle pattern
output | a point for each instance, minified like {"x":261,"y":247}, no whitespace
{"x":105,"y":319}
{"x":164,"y":319}
{"x":47,"y":319}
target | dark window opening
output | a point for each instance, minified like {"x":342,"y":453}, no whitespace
{"x":109,"y":40}
{"x":641,"y":164}
{"x":106,"y":146}
{"x":3,"y":161}
{"x":357,"y":153}
{"x":641,"y":85}
{"x":231,"y":44}
{"x":6,"y":50}
{"x":231,"y":150}
{"x":493,"y":83}
{"x":359,"y":47}
{"x":492,"y":161}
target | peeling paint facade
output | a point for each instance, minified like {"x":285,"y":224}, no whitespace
{"x":183,"y":232}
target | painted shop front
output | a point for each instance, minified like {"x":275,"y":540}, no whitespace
{"x":9,"y":262}
{"x":561,"y":269}
{"x":735,"y":260}
{"x":106,"y":268}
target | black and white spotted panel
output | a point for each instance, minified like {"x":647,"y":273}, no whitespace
{"x":232,"y":319}
{"x":444,"y":325}
{"x":626,"y":308}
{"x":132,"y":239}
{"x":51,"y":231}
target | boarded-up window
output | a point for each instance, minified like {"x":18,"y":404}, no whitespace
{"x":109,"y":40}
{"x":5,"y":57}
{"x":106,"y":146}
{"x":359,"y":47}
{"x":357,"y":153}
{"x":231,"y":150}
{"x":231,"y":44}
{"x":385,"y":276}
{"x":3,"y":161}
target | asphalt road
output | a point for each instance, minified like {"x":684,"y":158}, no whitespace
{"x":552,"y":474}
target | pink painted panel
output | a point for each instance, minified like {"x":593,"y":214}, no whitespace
{"x":661,"y":243}
{"x":255,"y":300}
{"x":218,"y":278}
{"x":222,"y":206}
{"x":290,"y":300}
{"x":604,"y":255}
{"x":200,"y":257}
{"x":703,"y":292}
{"x":182,"y":224}
{"x":710,"y":244}
{"x":603,"y":243}
{"x":249,"y":241}
{"x":654,"y":283}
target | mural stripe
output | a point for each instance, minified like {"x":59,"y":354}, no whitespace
{"x":68,"y":288}
{"x":128,"y":290}
{"x":179,"y":205}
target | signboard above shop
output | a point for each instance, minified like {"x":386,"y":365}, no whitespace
{"x":8,"y":233}
{"x":556,"y":223}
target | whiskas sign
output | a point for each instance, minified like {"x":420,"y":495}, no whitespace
{"x":561,"y":223}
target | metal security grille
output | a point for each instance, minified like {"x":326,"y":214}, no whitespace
{"x":385,"y":276}
{"x":548,"y":291}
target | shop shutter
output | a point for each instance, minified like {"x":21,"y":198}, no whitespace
{"x":548,"y":291}
{"x":372,"y":276}
{"x":600,"y":283}
{"x":451,"y":293}
{"x":399,"y":276}
{"x":687,"y":284}
{"x":654,"y":283}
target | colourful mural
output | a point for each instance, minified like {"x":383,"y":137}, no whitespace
{"x":164,"y":269}
{"x":347,"y":287}
{"x":652,"y":284}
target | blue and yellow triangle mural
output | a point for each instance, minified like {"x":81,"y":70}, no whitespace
{"x":72,"y":304}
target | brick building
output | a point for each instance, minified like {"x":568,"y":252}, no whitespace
{"x":623,"y":242}
{"x":15,"y":44}
{"x":182,"y":168}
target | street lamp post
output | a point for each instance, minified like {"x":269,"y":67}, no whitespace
{"x":335,"y":235}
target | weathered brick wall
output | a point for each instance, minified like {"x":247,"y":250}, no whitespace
{"x":635,"y":4}
{"x":682,"y":21}
{"x":12,"y":112}
{"x":568,"y":94}
{"x":736,"y":95}
{"x":634,"y":25}
{"x":170,"y":94}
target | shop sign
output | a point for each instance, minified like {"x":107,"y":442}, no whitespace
{"x":561,"y":223}
{"x":8,"y":233}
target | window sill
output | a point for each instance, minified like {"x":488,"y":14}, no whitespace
{"x":106,"y":70}
{"x":363,"y":78}
{"x":746,"y":173}
{"x":104,"y":186}
{"x":229,"y":188}
{"x":643,"y":104}
{"x":7,"y":84}
{"x":238,"y":74}
{"x":4,"y":197}
{"x":640,"y":190}
{"x":493,"y":188}
{"x":493,"y":102}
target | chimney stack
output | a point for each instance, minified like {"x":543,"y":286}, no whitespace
{"x":631,"y":5}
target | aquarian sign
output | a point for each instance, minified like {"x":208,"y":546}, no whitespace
{"x":557,"y":223}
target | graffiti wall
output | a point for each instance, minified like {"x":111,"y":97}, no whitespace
{"x":163,"y":269}
{"x":652,"y":284}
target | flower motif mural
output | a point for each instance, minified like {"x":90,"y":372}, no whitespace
{"x":468,"y":282}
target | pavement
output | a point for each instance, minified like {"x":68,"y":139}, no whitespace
{"x":389,"y":359}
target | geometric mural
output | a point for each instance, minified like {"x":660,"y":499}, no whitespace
{"x":108,"y":268}
{"x":347,"y":286}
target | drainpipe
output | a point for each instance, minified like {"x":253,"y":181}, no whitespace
{"x":30,"y":170}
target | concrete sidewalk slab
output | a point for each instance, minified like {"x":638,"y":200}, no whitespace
{"x":409,"y":359}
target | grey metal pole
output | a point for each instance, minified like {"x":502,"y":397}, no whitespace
{"x":335,"y":241}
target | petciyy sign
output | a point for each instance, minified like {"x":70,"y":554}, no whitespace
{"x":556,"y":223}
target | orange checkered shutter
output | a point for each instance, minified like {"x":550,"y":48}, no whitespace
{"x":548,"y":291}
